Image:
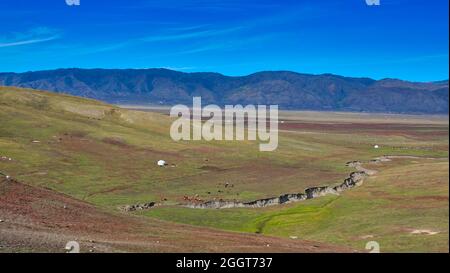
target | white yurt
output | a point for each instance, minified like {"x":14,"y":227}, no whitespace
{"x":161,"y":163}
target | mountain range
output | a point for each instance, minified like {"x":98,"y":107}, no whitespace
{"x":290,"y":90}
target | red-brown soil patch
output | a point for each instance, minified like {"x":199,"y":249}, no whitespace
{"x":41,"y":220}
{"x":407,"y":130}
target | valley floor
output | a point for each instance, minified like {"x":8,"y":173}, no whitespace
{"x":74,"y":163}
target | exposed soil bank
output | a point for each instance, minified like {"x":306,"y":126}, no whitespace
{"x":142,"y":206}
{"x":354,"y":179}
{"x":34,"y":219}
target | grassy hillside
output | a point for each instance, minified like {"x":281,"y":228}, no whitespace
{"x":106,"y":155}
{"x":404,"y":198}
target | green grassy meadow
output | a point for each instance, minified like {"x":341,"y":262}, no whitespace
{"x":106,"y":155}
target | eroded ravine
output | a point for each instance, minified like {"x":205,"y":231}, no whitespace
{"x":354,"y":179}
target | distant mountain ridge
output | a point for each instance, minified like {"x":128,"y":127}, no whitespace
{"x":290,"y":90}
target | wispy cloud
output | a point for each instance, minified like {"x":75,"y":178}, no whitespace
{"x":103,"y":48}
{"x":27,"y":42}
{"x":171,"y":35}
{"x":229,"y":45}
{"x":33,"y":36}
{"x":191,"y":34}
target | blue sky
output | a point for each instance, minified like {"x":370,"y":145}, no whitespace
{"x":406,"y":39}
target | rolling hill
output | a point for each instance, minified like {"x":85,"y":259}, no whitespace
{"x":70,"y":161}
{"x":69,"y":165}
{"x":289,"y":90}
